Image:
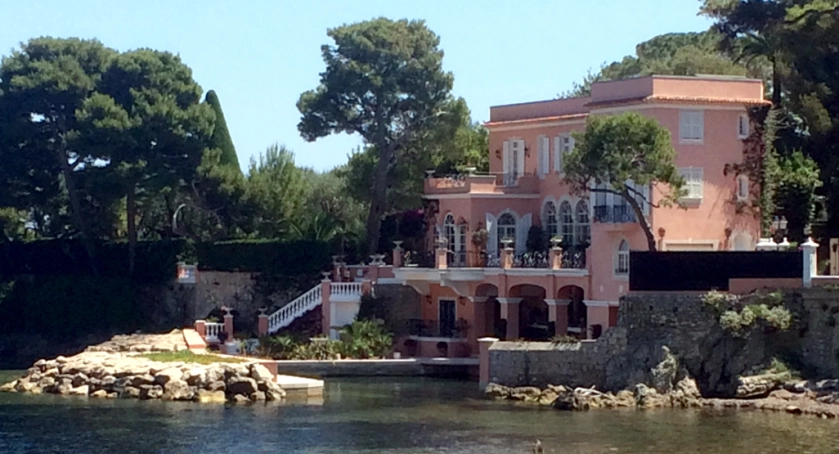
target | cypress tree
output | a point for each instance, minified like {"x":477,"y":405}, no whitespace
{"x":221,"y":136}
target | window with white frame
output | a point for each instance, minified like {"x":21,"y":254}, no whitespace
{"x":742,"y":188}
{"x":566,"y":219}
{"x":506,"y":230}
{"x":691,"y":125}
{"x":622,"y":259}
{"x":549,"y":220}
{"x":743,"y":126}
{"x":693,"y":182}
{"x":582,"y":227}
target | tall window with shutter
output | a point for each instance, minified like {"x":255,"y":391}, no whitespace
{"x":693,"y":182}
{"x":563,"y":144}
{"x":691,"y":126}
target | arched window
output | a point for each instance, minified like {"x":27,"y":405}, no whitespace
{"x":582,"y":232}
{"x":742,"y":188}
{"x":549,"y":220}
{"x":506,"y":229}
{"x":566,"y":219}
{"x":622,"y":258}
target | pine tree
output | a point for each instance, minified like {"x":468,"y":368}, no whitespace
{"x":221,"y":136}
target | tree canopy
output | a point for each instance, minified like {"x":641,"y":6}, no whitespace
{"x":220,"y":138}
{"x":384,"y":81}
{"x":622,"y":154}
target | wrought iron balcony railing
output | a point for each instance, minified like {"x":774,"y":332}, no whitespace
{"x":614,"y":214}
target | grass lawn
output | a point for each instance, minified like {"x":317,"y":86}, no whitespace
{"x":187,"y":356}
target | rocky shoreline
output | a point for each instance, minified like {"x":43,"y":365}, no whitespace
{"x":117,"y":369}
{"x":815,"y":398}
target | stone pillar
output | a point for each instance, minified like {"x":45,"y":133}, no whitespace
{"x":228,"y":324}
{"x":373,"y":269}
{"x":484,"y":344}
{"x":507,"y":254}
{"x":558,"y":313}
{"x":510,"y":312}
{"x":597,"y":313}
{"x":441,"y":254}
{"x":366,"y":286}
{"x":336,"y":268}
{"x":262,"y":322}
{"x":556,"y":254}
{"x":201,"y":328}
{"x":397,"y":254}
{"x":325,"y":306}
{"x":810,"y":261}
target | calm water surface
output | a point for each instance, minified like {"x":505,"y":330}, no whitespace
{"x":389,"y":416}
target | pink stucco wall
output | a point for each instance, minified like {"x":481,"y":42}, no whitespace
{"x":714,"y":220}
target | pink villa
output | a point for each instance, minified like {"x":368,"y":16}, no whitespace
{"x":488,"y":280}
{"x":510,"y":293}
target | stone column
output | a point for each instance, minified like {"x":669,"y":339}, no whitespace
{"x":507,"y":255}
{"x":325,"y":306}
{"x":510,"y":313}
{"x":558,"y":313}
{"x":597,"y":313}
{"x":366,"y":286}
{"x":201,"y":328}
{"x":262,"y":322}
{"x":336,"y":268}
{"x":484,"y":344}
{"x":556,"y":254}
{"x":228,"y":323}
{"x":810,"y":261}
{"x":397,"y":254}
{"x":441,"y":254}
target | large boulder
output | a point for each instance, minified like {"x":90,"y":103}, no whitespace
{"x":570,"y":401}
{"x":210,"y":396}
{"x":759,"y":385}
{"x":8,"y":387}
{"x":81,"y":390}
{"x":140,"y":380}
{"x":167,"y":375}
{"x":272,"y":389}
{"x":195,"y":376}
{"x":526,"y":393}
{"x":496,"y":391}
{"x":260,"y":373}
{"x":177,"y":390}
{"x":241,"y":385}
{"x":151,"y":392}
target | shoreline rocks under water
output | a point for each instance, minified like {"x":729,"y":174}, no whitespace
{"x":116,"y":369}
{"x":816,"y":398}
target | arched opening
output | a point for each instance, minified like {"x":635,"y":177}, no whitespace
{"x":491,"y":325}
{"x":622,"y":259}
{"x":582,"y":228}
{"x":566,"y":219}
{"x":506,"y":230}
{"x":577,"y":313}
{"x":533,"y":312}
{"x":549,"y":220}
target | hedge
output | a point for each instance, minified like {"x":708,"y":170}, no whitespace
{"x":279,"y":257}
{"x":156,"y":260}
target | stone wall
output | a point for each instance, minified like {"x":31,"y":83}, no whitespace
{"x":627,"y":353}
{"x":542,"y":363}
{"x":403,"y":304}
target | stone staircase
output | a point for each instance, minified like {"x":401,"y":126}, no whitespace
{"x":343,"y":291}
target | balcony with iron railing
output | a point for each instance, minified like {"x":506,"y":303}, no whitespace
{"x":614,"y":214}
{"x":486,"y":183}
{"x":573,"y":258}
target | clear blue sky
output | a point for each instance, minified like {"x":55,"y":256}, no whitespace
{"x":259,"y":55}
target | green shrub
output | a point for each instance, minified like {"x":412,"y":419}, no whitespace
{"x":365,"y":339}
{"x":718,"y":301}
{"x":731,"y":321}
{"x":779,"y":318}
{"x":155,"y":260}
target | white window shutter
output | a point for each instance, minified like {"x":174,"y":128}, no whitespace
{"x":506,"y":157}
{"x":557,"y":155}
{"x":544,"y":156}
{"x":522,"y":228}
{"x":492,"y":229}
